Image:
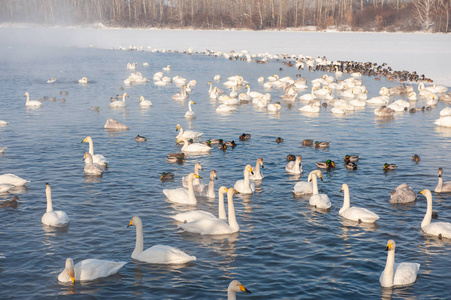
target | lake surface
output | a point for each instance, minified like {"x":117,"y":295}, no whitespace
{"x":285,"y":248}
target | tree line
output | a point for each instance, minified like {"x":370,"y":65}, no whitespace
{"x":356,"y":15}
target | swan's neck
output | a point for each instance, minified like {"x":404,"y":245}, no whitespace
{"x":180,"y":132}
{"x":189,"y":106}
{"x":185,"y":144}
{"x":221,"y":209}
{"x":91,"y":147}
{"x":428,"y":216}
{"x":439,"y":186}
{"x":233,"y":224}
{"x":48,"y":193}
{"x":28,"y":98}
{"x":248,"y":89}
{"x":211,"y":188}
{"x":388,"y":275}
{"x":191,"y":197}
{"x":231,"y":295}
{"x":297,"y":166}
{"x":246,"y":180}
{"x":123,"y":98}
{"x":257,"y":168}
{"x":139,"y":240}
{"x":315,"y":184}
{"x":346,"y":201}
{"x":313,"y":95}
{"x":211,"y":87}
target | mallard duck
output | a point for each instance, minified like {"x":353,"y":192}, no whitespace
{"x":279,"y":140}
{"x":291,"y":157}
{"x":322,"y":144}
{"x":222,"y":146}
{"x":351,"y":166}
{"x":416,"y":158}
{"x":10,"y":203}
{"x":389,"y":167}
{"x":230,"y":144}
{"x":166,"y":176}
{"x":307,"y":143}
{"x":328,"y":164}
{"x":207,"y":142}
{"x":139,"y":138}
{"x":175,"y":157}
{"x":216,"y":141}
{"x":245,"y":136}
{"x":351,"y":158}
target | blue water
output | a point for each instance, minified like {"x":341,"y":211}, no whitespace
{"x":285,"y":248}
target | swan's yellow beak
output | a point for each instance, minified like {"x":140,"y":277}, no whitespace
{"x":243,"y":289}
{"x":388,"y":247}
{"x":422,"y":192}
{"x":130,"y":224}
{"x":72,"y":278}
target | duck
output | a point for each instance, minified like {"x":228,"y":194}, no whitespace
{"x":397,"y":274}
{"x":357,"y":214}
{"x":140,"y":138}
{"x":351,"y":158}
{"x":351,"y":166}
{"x":118,"y":103}
{"x":88,"y":270}
{"x":294,"y":167}
{"x":157,"y":254}
{"x":196,"y":181}
{"x":234,"y":287}
{"x":245,"y":136}
{"x":322,"y":145}
{"x":403,"y":194}
{"x":190,"y":113}
{"x":194,"y":147}
{"x":384,"y":111}
{"x":112,"y":124}
{"x":32,"y":103}
{"x":307,"y":143}
{"x":194,"y":215}
{"x":244,"y":186}
{"x":258,"y":175}
{"x":416,"y":158}
{"x":328,"y":164}
{"x":318,"y":200}
{"x":144,"y":103}
{"x":442,"y":187}
{"x":210,"y":226}
{"x":189,"y":134}
{"x":439,"y":229}
{"x":166,"y":176}
{"x":91,"y":168}
{"x":389,"y":167}
{"x":10,"y":203}
{"x":230,"y":144}
{"x":53,"y":218}
{"x":182,"y":195}
{"x":84,"y":80}
{"x":175,"y":157}
{"x":291,"y":157}
{"x":222,"y":146}
{"x":11,"y":179}
{"x":97,"y":158}
{"x":305,"y":188}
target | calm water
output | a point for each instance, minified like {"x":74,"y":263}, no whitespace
{"x":285,"y":249}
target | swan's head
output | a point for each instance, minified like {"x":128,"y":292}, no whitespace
{"x":427,"y":193}
{"x":70,"y":269}
{"x":260,"y":161}
{"x":134,"y":221}
{"x":236,"y":286}
{"x":249,"y":169}
{"x":141,"y":98}
{"x":213,"y":175}
{"x":88,"y":158}
{"x":125,"y":95}
{"x":391,"y":245}
{"x":299,"y":159}
{"x":26,"y":94}
{"x":192,"y":102}
{"x":317,"y":173}
{"x":87,"y":139}
{"x":178,"y":127}
{"x":198,"y":167}
{"x":344,"y":187}
{"x":222,"y":190}
{"x":440,"y":172}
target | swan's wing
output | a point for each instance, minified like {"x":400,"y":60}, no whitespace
{"x":55,"y":219}
{"x":207,"y":226}
{"x":90,"y":269}
{"x":359,"y":213}
{"x":406,"y":273}
{"x":320,"y":201}
{"x":179,"y":195}
{"x":99,"y":159}
{"x":196,"y":147}
{"x":162,"y":254}
{"x":193,"y":215}
{"x":439,"y":228}
{"x":303,"y":187}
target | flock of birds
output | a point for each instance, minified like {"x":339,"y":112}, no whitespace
{"x":341,"y":96}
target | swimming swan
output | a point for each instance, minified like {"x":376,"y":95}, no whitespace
{"x":84,"y":80}
{"x":244,"y":186}
{"x":318,"y":200}
{"x":235,"y":286}
{"x":196,"y":181}
{"x":32,"y":103}
{"x":397,"y":274}
{"x":305,"y":188}
{"x":144,"y":103}
{"x":258,"y":175}
{"x":357,"y":214}
{"x":294,"y":167}
{"x":194,"y":215}
{"x":443,"y":121}
{"x":182,"y":95}
{"x":190,"y":113}
{"x":207,"y":190}
{"x":91,"y":168}
{"x":53,"y":218}
{"x":194,"y":147}
{"x":158,"y":254}
{"x":188,"y":134}
{"x":442,"y":187}
{"x":12,"y":179}
{"x":215,"y":226}
{"x":114,"y":125}
{"x":89,"y":269}
{"x":182,"y":195}
{"x":440,"y":229}
{"x":96,"y":158}
{"x":118,"y":103}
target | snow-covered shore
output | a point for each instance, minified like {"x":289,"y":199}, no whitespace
{"x":427,"y":54}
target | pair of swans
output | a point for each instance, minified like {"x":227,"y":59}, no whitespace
{"x":51,"y":217}
{"x":215,"y":226}
{"x":245,"y":186}
{"x":182,"y":195}
{"x":188,"y":134}
{"x":182,"y":95}
{"x":306,"y":188}
{"x":194,"y":147}
{"x":190,"y":114}
{"x":97,"y":158}
{"x":119,"y":103}
{"x":32,"y":103}
{"x":88,"y":270}
{"x":157,"y":254}
{"x":91,"y":168}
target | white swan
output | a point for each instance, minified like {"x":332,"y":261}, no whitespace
{"x":196,"y":181}
{"x":318,"y":200}
{"x":182,"y":95}
{"x":274,"y":107}
{"x":440,"y":229}
{"x":91,"y":168}
{"x":294,"y":167}
{"x":89,"y":269}
{"x":158,"y":254}
{"x":442,"y":187}
{"x":53,"y":218}
{"x":258,"y":175}
{"x":119,"y":103}
{"x":12,"y":179}
{"x":445,"y":112}
{"x":397,"y":274}
{"x":190,"y":113}
{"x":308,"y":97}
{"x":32,"y":103}
{"x":194,"y":215}
{"x":207,"y":190}
{"x":384,"y":111}
{"x":182,"y":195}
{"x":310,"y":108}
{"x":114,"y":125}
{"x":51,"y":80}
{"x":379,"y":100}
{"x":84,"y":80}
{"x":194,"y":147}
{"x":443,"y":121}
{"x":235,"y":286}
{"x":403,"y":194}
{"x":225,"y":108}
{"x":305,"y":188}
{"x":167,"y":68}
{"x":357,"y":214}
{"x":215,"y":226}
{"x":188,"y":134}
{"x":96,"y":158}
{"x":244,"y":186}
{"x":144,"y":103}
